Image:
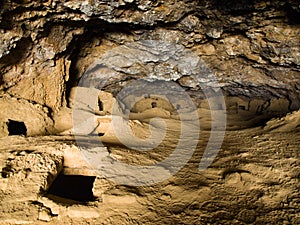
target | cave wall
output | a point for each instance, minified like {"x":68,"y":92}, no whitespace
{"x":251,"y":46}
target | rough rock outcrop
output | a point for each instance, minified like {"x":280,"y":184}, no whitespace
{"x":253,"y":180}
{"x":252,"y":47}
{"x":248,"y":49}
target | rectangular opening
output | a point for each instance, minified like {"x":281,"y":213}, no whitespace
{"x":16,"y":128}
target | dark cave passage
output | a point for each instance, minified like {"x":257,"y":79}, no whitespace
{"x":16,"y":128}
{"x":75,"y":187}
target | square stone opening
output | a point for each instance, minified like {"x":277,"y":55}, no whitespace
{"x":16,"y":128}
{"x":74,"y":187}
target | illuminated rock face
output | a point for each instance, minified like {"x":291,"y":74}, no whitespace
{"x":254,"y":179}
{"x":251,"y":47}
{"x":49,"y":47}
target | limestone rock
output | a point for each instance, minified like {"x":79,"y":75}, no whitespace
{"x":51,"y":49}
{"x":252,"y":48}
{"x":33,"y":116}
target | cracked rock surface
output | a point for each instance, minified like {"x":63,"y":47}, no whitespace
{"x":47,"y":46}
{"x":50,"y":50}
{"x":253,"y":180}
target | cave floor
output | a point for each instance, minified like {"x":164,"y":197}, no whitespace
{"x":253,"y":180}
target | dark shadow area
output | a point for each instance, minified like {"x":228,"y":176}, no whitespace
{"x":234,"y":7}
{"x":18,"y":54}
{"x":16,"y":128}
{"x":100,"y":105}
{"x":96,"y":134}
{"x":74,"y":187}
{"x":293,"y":13}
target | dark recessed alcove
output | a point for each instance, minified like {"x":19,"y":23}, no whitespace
{"x":75,"y":187}
{"x":100,"y":105}
{"x":16,"y":128}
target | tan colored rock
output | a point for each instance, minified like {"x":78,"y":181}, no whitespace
{"x":207,"y":49}
{"x":82,"y":212}
{"x":107,"y":102}
{"x":34,"y":116}
{"x":251,"y":47}
{"x":127,"y":200}
{"x":26,"y":173}
{"x":48,"y":83}
{"x":62,"y":120}
{"x":44,"y":216}
{"x":75,"y":163}
{"x":289,"y":123}
{"x":105,"y":99}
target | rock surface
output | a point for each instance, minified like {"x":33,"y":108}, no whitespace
{"x":253,"y":180}
{"x":248,"y":49}
{"x":252,"y":47}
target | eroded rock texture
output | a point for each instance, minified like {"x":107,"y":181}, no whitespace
{"x":251,"y":48}
{"x":253,"y":180}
